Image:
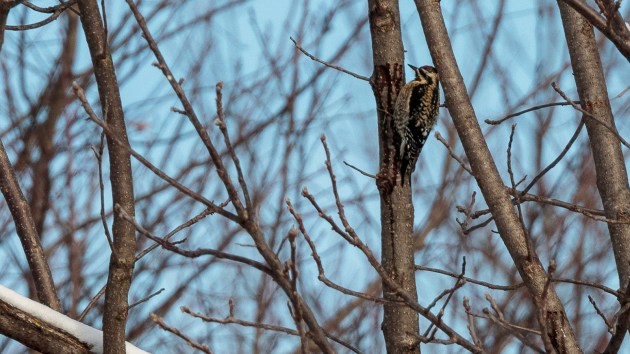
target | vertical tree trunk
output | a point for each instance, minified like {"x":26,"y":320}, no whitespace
{"x":400,"y":323}
{"x":122,"y":259}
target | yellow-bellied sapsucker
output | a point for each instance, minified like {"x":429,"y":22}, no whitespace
{"x":414,"y":115}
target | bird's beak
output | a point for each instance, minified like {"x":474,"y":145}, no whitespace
{"x":414,"y":68}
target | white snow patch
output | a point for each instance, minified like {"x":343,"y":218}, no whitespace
{"x":86,"y":334}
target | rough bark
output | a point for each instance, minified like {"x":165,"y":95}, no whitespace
{"x":610,"y":168}
{"x":552,"y":319}
{"x":122,"y":259}
{"x":37,"y":334}
{"x":400,"y":323}
{"x":612,"y":177}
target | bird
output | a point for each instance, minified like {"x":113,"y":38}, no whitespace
{"x":415,"y":113}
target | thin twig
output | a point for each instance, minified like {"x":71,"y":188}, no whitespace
{"x":99,"y":158}
{"x":601,"y":314}
{"x":622,"y":320}
{"x":478,"y":226}
{"x":514,"y":193}
{"x":299,"y":47}
{"x":471,"y":280}
{"x":458,"y":284}
{"x":594,"y":214}
{"x":306,"y":194}
{"x":501,"y":316}
{"x":92,"y":303}
{"x":179,"y":228}
{"x":47,"y":10}
{"x":589,"y":284}
{"x":556,"y":160}
{"x":226,"y":137}
{"x":160,"y":322}
{"x":501,"y":321}
{"x":466,"y":211}
{"x":519,"y":285}
{"x":531,"y":109}
{"x":38,"y":24}
{"x":292,"y":273}
{"x":141,"y":301}
{"x":623,"y":92}
{"x":192,"y":253}
{"x":359,"y":170}
{"x":333,"y":180}
{"x":471,"y":323}
{"x":452,"y":153}
{"x":233,"y":320}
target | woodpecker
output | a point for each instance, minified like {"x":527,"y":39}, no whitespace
{"x":415,"y":113}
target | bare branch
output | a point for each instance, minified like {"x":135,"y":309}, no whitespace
{"x":27,"y":233}
{"x":299,"y":47}
{"x":531,"y":109}
{"x":160,"y":322}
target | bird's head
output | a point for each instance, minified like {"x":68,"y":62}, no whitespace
{"x":425,"y":74}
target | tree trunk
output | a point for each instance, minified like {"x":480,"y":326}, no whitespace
{"x":400,"y":323}
{"x":123,"y":256}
